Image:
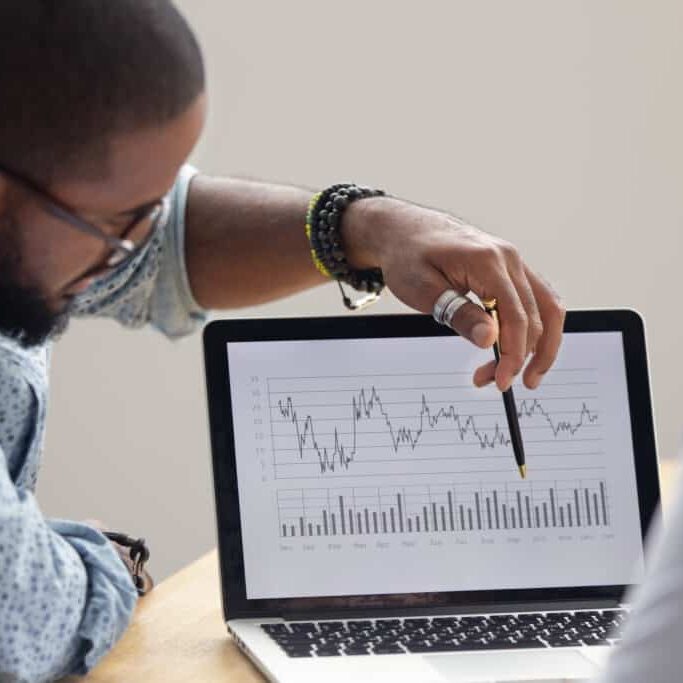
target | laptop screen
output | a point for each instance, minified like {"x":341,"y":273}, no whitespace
{"x":369,"y":466}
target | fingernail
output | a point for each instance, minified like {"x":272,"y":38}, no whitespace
{"x":502,"y":386}
{"x":481,"y":333}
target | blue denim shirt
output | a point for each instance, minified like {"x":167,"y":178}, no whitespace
{"x":65,"y":596}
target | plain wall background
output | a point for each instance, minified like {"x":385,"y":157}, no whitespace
{"x":554,"y":124}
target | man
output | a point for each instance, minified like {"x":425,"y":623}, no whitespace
{"x":102,"y":103}
{"x":651,"y":645}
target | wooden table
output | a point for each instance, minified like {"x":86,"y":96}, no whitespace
{"x":178,"y":635}
{"x":178,"y":632}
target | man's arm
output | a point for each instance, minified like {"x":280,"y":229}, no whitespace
{"x":245,"y":244}
{"x":65,"y":596}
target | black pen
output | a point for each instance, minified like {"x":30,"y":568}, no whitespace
{"x":491,"y":307}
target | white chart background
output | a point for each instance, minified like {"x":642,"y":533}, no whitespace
{"x":353,"y":424}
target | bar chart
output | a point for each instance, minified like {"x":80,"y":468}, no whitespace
{"x":458,"y":508}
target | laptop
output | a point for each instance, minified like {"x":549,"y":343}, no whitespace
{"x":372,"y":524}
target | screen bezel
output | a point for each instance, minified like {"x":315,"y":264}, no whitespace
{"x":219,"y":333}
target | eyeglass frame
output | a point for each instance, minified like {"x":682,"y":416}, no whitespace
{"x":124,"y":248}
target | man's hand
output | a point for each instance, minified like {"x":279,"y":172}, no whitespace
{"x":423,"y":252}
{"x":124,"y":554}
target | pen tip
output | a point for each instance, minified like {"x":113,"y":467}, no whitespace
{"x":522,"y":471}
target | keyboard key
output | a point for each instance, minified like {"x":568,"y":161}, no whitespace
{"x":415,"y":623}
{"x":272,"y":629}
{"x":419,"y":648}
{"x":531,"y":642}
{"x":387,"y":623}
{"x":446,"y":621}
{"x":303,"y":627}
{"x":565,"y":643}
{"x":293,"y":650}
{"x":388,"y":649}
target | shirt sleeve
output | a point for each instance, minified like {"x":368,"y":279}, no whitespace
{"x":154,"y":288}
{"x":650,"y":649}
{"x":65,"y":595}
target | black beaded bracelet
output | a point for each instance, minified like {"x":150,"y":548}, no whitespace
{"x":323,"y":222}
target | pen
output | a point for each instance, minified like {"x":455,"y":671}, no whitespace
{"x":491,"y":307}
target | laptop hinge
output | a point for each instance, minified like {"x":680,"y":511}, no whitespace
{"x":383,"y":612}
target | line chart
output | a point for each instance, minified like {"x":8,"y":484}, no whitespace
{"x":364,"y":425}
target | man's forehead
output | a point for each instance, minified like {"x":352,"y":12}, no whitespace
{"x":140,"y":167}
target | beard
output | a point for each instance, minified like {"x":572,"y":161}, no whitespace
{"x":26,"y":315}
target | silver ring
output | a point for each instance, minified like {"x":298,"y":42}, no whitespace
{"x":447,"y":305}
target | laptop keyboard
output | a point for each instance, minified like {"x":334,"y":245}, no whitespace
{"x":447,"y":634}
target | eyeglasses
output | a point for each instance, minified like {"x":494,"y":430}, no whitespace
{"x":134,"y":238}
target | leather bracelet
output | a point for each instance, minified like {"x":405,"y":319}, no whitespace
{"x":139,"y":554}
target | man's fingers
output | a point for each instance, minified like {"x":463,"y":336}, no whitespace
{"x":469,"y":320}
{"x":513,"y":330}
{"x":148,"y":582}
{"x":528,"y":299}
{"x":552,"y":314}
{"x":473,"y":323}
{"x":485,"y":374}
{"x":455,"y":256}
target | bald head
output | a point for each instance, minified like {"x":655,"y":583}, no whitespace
{"x":75,"y":74}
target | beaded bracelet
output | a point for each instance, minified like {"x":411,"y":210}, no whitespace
{"x":323,"y":221}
